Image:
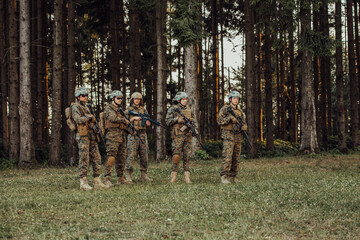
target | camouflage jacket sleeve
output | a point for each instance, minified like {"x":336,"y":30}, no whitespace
{"x":78,"y":114}
{"x":171,"y":117}
{"x":113,"y":116}
{"x":224,"y":116}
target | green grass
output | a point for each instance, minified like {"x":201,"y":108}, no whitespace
{"x":281,"y":198}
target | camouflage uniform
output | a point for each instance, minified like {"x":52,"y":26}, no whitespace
{"x":134,"y":145}
{"x":181,"y":136}
{"x":86,"y":139}
{"x":115,"y":125}
{"x":231,"y":141}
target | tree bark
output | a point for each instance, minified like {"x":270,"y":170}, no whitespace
{"x":55,"y":139}
{"x":354,"y":89}
{"x":215,"y":69}
{"x":340,"y":82}
{"x":161,"y":68}
{"x":26,"y":137}
{"x":4,"y":85}
{"x":135,"y":51}
{"x":293,"y":105}
{"x":309,"y":143}
{"x":114,"y":43}
{"x":250,"y":78}
{"x":14,"y":136}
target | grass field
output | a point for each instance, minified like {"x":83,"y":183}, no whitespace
{"x":284,"y":198}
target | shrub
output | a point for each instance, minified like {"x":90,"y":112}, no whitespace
{"x":202,"y":155}
{"x":213,"y":148}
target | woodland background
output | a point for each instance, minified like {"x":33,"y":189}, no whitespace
{"x":299,"y":79}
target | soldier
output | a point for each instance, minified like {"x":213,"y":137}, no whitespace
{"x":137,"y":144}
{"x":86,"y":139}
{"x":115,"y":125}
{"x":231,"y":139}
{"x":180,"y":135}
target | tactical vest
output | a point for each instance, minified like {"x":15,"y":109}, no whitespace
{"x":231,"y":125}
{"x":137,"y":124}
{"x":83,"y":129}
{"x":109,"y":124}
{"x":187,"y":114}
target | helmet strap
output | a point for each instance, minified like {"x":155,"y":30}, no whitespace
{"x":115,"y":102}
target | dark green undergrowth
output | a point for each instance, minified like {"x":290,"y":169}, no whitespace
{"x":277,"y":198}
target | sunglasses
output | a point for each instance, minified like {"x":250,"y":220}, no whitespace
{"x":119,"y":98}
{"x":84,"y":95}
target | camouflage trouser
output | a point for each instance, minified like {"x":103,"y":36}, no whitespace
{"x":88,"y":149}
{"x":182,"y":144}
{"x":134,"y":148}
{"x":116,"y":147}
{"x":231,"y":155}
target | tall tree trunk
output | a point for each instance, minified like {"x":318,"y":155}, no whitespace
{"x":191,"y":86}
{"x":26,"y":137}
{"x":259,"y":75}
{"x":4,"y":85}
{"x":309,"y":143}
{"x":282,"y":95}
{"x":55,"y":139}
{"x":135,"y":51}
{"x":71,"y":78}
{"x":215,"y":69}
{"x":317,"y":88}
{"x":160,"y":90}
{"x":354,"y":89}
{"x":357,"y":44}
{"x":268,"y":89}
{"x":340,"y":82}
{"x":293,"y":106}
{"x":123,"y":49}
{"x":114,"y":43}
{"x":222,"y":53}
{"x":250,"y":78}
{"x":14,"y":137}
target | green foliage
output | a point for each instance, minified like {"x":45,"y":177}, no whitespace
{"x":281,"y":148}
{"x":201,"y":155}
{"x":186,"y":22}
{"x":213,"y":148}
{"x":317,"y":43}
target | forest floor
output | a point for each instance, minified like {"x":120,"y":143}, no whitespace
{"x":315,"y":197}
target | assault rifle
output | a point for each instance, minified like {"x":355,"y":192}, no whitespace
{"x":145,"y":117}
{"x":130,"y":123}
{"x":189,"y":124}
{"x":239,"y":124}
{"x":96,"y":127}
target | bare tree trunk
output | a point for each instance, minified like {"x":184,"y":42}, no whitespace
{"x":161,"y":67}
{"x":114,"y":42}
{"x":340,"y":82}
{"x":191,"y":86}
{"x":215,"y":69}
{"x":354,"y":89}
{"x":123,"y":49}
{"x":293,"y":106}
{"x":222,"y":54}
{"x":309,"y":143}
{"x":71,"y":78}
{"x":4,"y":85}
{"x":268,"y":89}
{"x":259,"y":76}
{"x":135,"y":51}
{"x":14,"y":137}
{"x":26,"y":137}
{"x":55,"y":139}
{"x":250,"y":78}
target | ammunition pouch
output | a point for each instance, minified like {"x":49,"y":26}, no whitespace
{"x":82,"y":130}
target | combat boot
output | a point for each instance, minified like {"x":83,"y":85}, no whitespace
{"x":173,"y":177}
{"x":144,"y":177}
{"x":99,"y":184}
{"x":107,"y":181}
{"x":84,"y":185}
{"x":187,"y":176}
{"x":121,"y":180}
{"x":232,"y":179}
{"x":224,"y":180}
{"x":128,"y":176}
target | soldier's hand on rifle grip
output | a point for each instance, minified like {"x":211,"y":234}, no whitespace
{"x":244,"y":127}
{"x":148,"y":123}
{"x":127,"y":122}
{"x":136,"y":118}
{"x":181,"y":120}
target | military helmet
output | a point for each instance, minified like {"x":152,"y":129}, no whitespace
{"x":115,"y":93}
{"x":136,"y":95}
{"x":81,"y":91}
{"x":234,"y":94}
{"x":179,"y":96}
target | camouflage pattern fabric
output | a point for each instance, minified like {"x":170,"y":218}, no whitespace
{"x":181,"y":141}
{"x":134,"y":146}
{"x":115,"y":141}
{"x":231,"y":143}
{"x":88,"y":148}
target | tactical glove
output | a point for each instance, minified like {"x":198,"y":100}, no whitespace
{"x":244,"y":127}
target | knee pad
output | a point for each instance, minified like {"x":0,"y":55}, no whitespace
{"x":110,"y":161}
{"x":176,"y":159}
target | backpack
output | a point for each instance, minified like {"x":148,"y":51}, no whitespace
{"x":102,"y":122}
{"x":69,"y":120}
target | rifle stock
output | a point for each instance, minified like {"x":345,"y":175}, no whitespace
{"x":121,"y":111}
{"x":145,"y":117}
